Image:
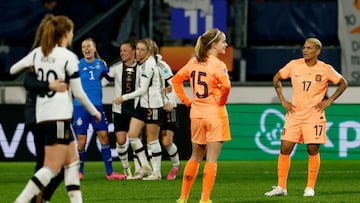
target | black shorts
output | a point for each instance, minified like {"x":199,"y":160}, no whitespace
{"x":170,"y":120}
{"x":56,"y":132}
{"x":148,"y":115}
{"x":121,"y":122}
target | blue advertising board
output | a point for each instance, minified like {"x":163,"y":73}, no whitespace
{"x":189,"y":24}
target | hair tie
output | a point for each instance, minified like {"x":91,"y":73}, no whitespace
{"x":213,"y":39}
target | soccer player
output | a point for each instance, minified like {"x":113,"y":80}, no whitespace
{"x":305,"y":116}
{"x":147,"y":113}
{"x":210,"y":85}
{"x":169,"y":124}
{"x":170,"y":120}
{"x":91,"y":69}
{"x":125,"y":75}
{"x":52,"y":60}
{"x":34,"y":87}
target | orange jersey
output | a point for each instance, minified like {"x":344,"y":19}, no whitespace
{"x":309,"y":86}
{"x":210,"y":85}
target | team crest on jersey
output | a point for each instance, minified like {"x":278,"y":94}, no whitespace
{"x":67,"y":134}
{"x":97,"y":66}
{"x":318,"y":78}
{"x":128,"y":78}
{"x":79,"y":122}
{"x":129,"y":70}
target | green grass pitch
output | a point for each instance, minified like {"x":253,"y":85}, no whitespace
{"x":237,"y":181}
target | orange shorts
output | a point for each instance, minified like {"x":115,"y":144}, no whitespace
{"x":204,"y":130}
{"x":309,"y":133}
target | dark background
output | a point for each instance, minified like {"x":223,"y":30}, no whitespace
{"x":264,"y":33}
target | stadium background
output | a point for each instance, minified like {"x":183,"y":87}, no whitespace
{"x":263,"y":35}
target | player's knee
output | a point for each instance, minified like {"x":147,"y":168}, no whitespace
{"x":71,"y":176}
{"x":167,"y":143}
{"x":286,"y":150}
{"x":120,"y":138}
{"x":313,"y":152}
{"x":43,"y":176}
{"x":81,"y":142}
{"x":121,"y":149}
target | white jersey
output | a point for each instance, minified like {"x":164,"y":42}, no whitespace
{"x":116,"y":71}
{"x":59,"y":64}
{"x":171,"y":96}
{"x":151,"y":86}
{"x":167,"y":74}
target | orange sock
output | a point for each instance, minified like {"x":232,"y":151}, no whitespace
{"x":283,"y":170}
{"x":208,"y":180}
{"x":313,"y":170}
{"x":190,"y":173}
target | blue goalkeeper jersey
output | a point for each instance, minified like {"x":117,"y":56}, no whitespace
{"x":90,"y":75}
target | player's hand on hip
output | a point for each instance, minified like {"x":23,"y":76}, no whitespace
{"x":168,"y":89}
{"x":322,"y":105}
{"x":169,"y":107}
{"x":289,"y":107}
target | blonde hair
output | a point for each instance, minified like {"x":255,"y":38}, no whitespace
{"x":97,"y":55}
{"x":53,"y":31}
{"x":204,"y":42}
{"x":148,"y":44}
{"x":314,"y":41}
{"x":40,"y":29}
{"x":154,"y":48}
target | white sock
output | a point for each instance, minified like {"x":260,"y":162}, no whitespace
{"x":75,"y":196}
{"x":149,"y":153}
{"x":72,"y":182}
{"x":155,"y":149}
{"x":40,"y":180}
{"x":28,"y":192}
{"x":136,"y":163}
{"x":173,"y":154}
{"x":138,"y":148}
{"x":122,"y":150}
